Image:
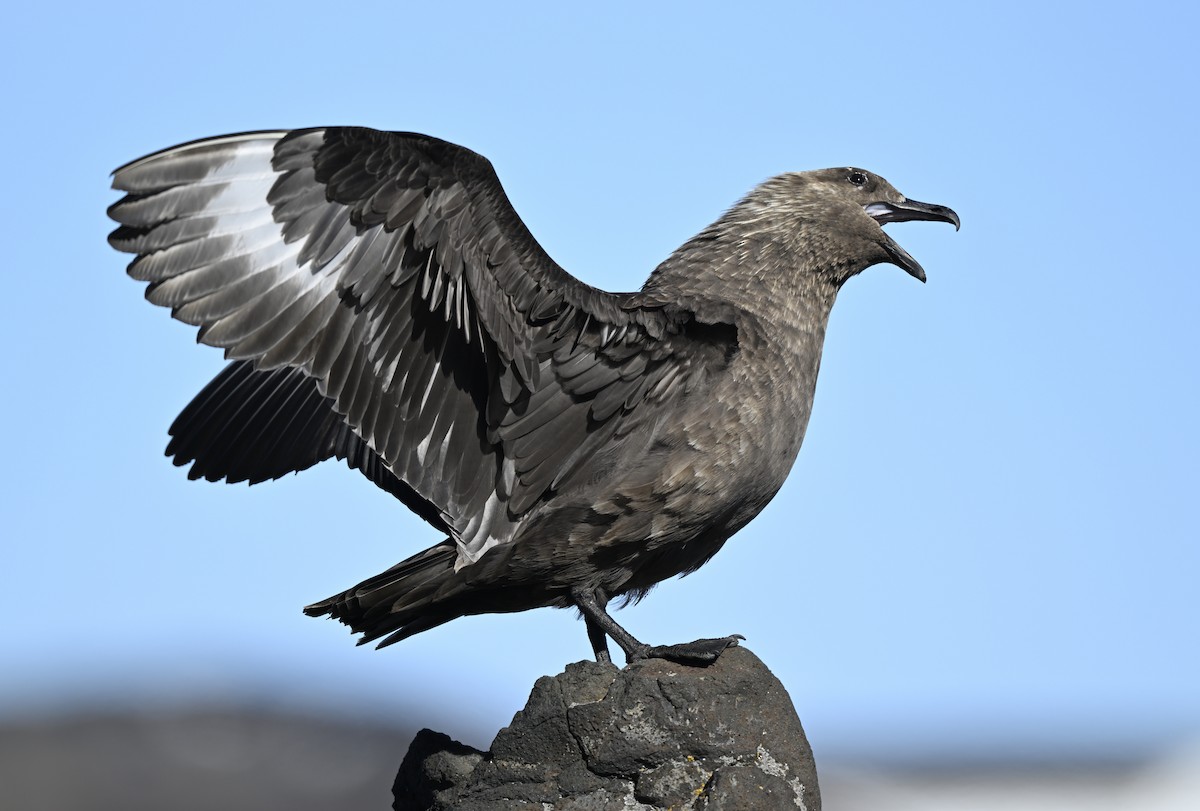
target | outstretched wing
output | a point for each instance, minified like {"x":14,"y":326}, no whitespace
{"x":391,"y":270}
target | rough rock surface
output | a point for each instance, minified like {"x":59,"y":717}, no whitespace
{"x":655,"y":735}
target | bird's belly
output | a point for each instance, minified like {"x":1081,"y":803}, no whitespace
{"x":690,"y":528}
{"x":665,"y":499}
{"x":662,"y":514}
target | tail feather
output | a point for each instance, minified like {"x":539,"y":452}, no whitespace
{"x":397,"y":603}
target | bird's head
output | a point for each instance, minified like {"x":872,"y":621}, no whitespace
{"x":838,"y":217}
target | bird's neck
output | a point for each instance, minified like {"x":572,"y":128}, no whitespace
{"x":772,"y":278}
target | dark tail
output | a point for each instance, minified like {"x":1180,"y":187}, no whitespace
{"x":397,"y":603}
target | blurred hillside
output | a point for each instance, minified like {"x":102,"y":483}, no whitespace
{"x":238,"y":759}
{"x":188,"y":760}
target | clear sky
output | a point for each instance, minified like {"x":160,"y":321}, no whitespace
{"x":990,"y":539}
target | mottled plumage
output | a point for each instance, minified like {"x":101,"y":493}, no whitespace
{"x":383,"y":304}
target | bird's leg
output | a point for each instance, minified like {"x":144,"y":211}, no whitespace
{"x":591,"y":604}
{"x":596,"y":634}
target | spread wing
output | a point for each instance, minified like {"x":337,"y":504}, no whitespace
{"x":386,"y":304}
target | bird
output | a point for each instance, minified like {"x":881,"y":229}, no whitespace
{"x":382,"y":303}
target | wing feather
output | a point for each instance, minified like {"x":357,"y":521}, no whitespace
{"x":389,"y":307}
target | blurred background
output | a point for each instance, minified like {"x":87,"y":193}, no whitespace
{"x":979,"y":584}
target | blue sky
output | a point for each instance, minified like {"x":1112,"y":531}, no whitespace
{"x":990,"y":539}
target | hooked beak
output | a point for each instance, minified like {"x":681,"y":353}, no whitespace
{"x":904,"y":212}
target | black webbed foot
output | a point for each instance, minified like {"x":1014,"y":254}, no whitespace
{"x":699,"y":652}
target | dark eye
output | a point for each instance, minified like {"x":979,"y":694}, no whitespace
{"x":857,"y":178}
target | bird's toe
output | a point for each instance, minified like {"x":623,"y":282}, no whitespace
{"x":699,"y":652}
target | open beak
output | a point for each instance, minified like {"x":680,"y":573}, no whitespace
{"x":904,"y":212}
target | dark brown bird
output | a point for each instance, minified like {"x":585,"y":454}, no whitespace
{"x":383,"y":304}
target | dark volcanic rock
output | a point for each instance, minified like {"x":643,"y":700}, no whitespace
{"x":654,"y":735}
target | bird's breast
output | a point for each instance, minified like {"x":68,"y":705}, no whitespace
{"x":665,"y":498}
